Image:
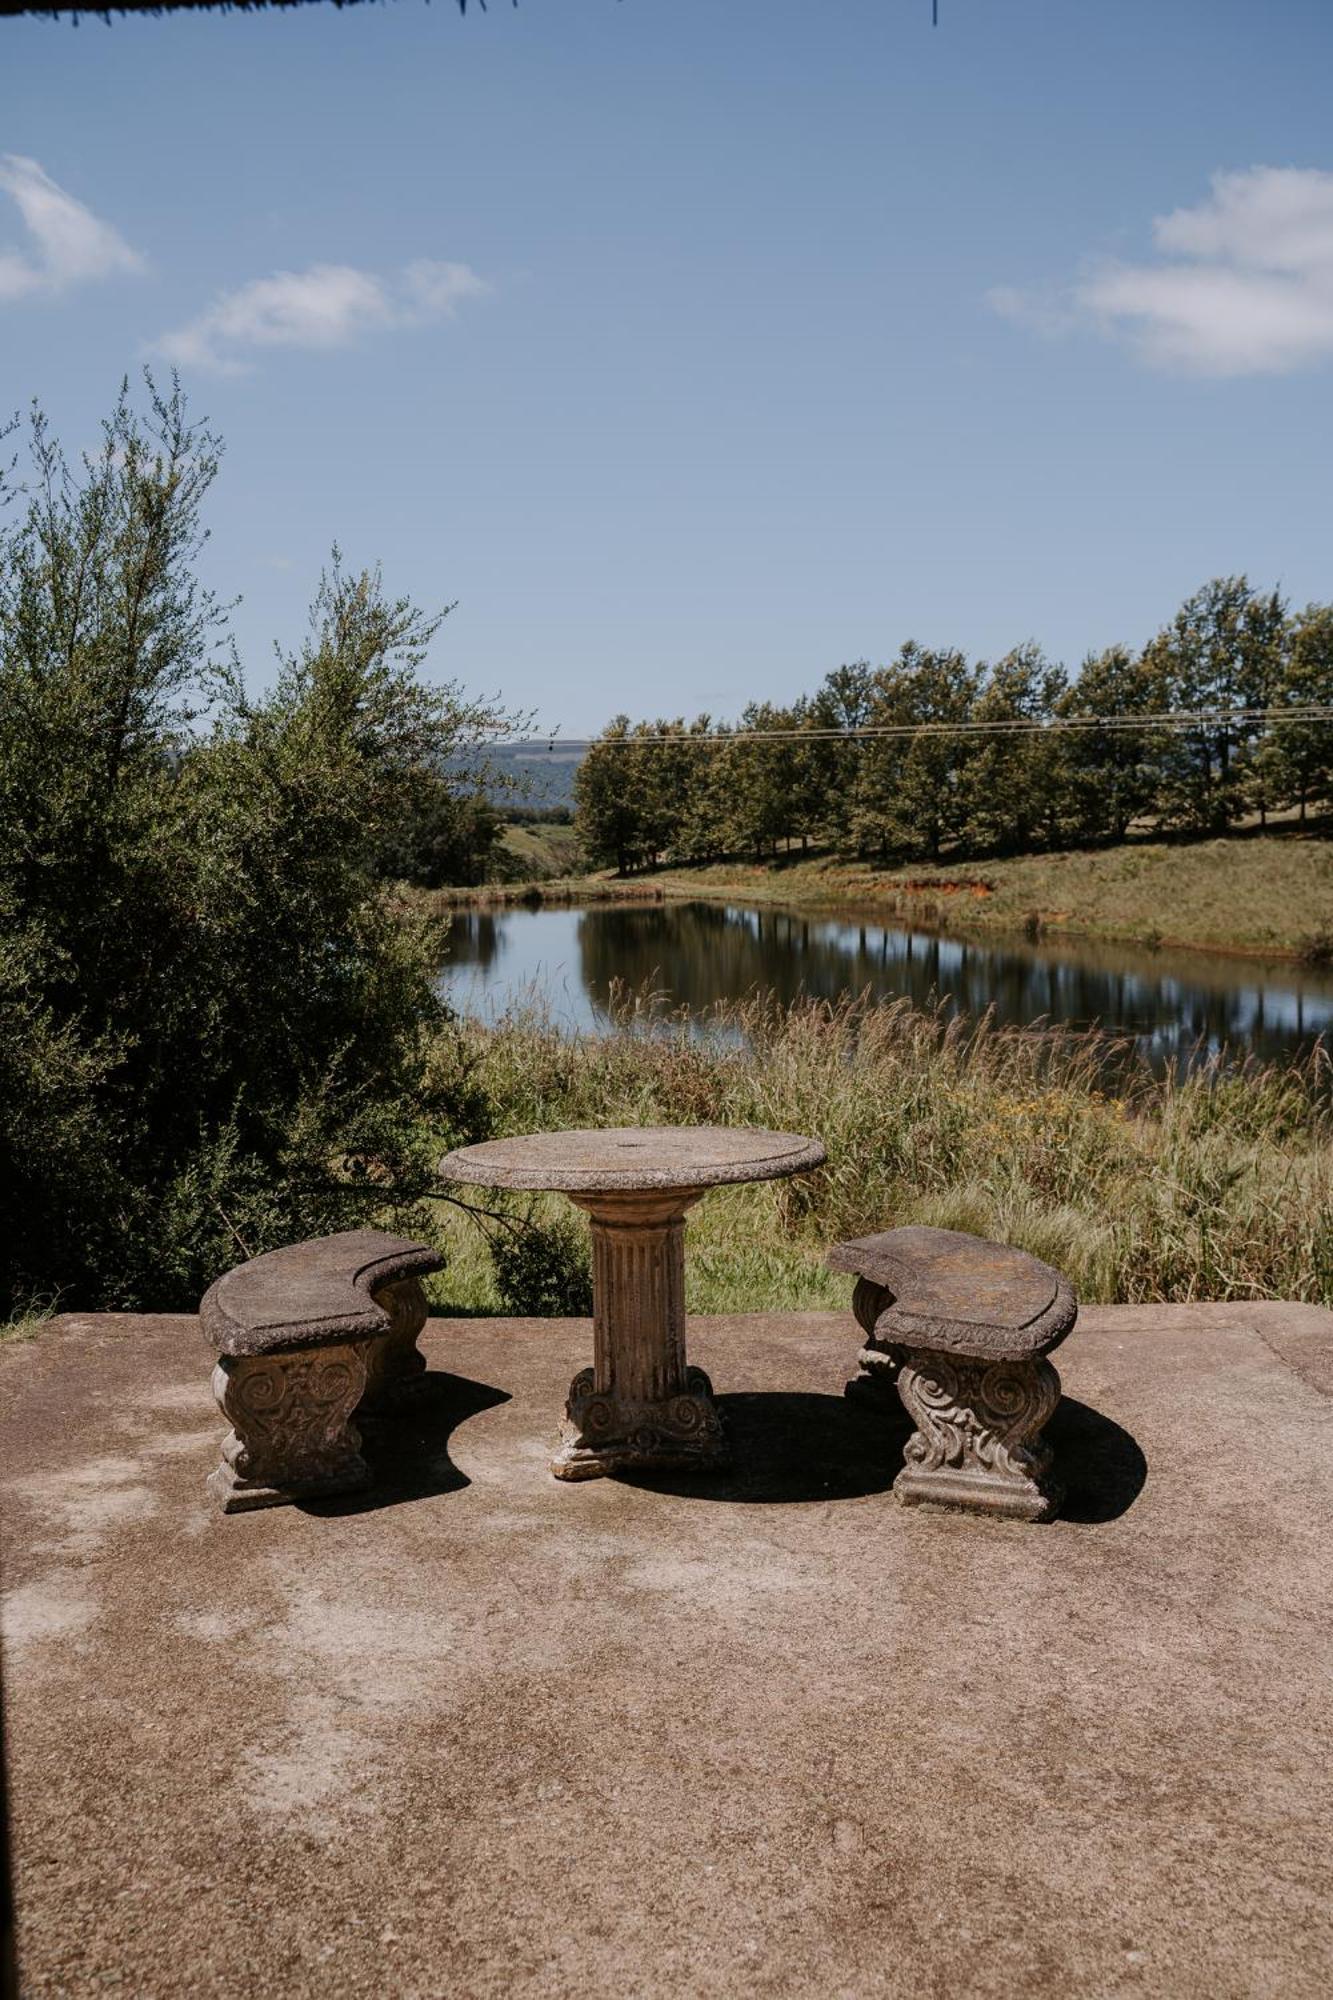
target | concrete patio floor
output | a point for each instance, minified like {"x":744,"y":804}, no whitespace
{"x":765,"y":1734}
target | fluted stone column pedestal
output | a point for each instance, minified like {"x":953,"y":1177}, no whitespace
{"x":640,"y":1403}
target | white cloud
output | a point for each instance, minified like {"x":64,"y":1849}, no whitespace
{"x":69,"y":244}
{"x":1243,"y":284}
{"x":326,"y":306}
{"x":436,"y":289}
{"x":1046,"y":312}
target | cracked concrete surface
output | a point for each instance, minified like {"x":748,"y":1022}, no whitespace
{"x":764,"y":1733}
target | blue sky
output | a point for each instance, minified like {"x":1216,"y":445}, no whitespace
{"x":696,"y":346}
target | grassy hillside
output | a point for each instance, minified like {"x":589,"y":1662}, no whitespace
{"x":541,"y":852}
{"x":1261,"y":894}
{"x":1254,"y":893}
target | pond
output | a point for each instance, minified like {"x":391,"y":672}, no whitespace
{"x":1171,"y":1002}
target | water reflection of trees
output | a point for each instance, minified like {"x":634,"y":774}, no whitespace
{"x":699,"y":953}
{"x":476,"y":938}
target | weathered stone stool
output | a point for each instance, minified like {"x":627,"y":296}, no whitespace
{"x":960,"y":1327}
{"x":307,"y":1338}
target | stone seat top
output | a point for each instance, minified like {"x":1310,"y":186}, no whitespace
{"x":309,"y":1294}
{"x":626,"y":1158}
{"x":960,"y":1294}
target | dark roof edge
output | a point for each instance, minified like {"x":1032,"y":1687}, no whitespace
{"x":44,"y":10}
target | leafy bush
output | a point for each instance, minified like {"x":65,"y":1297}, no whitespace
{"x":542,"y":1271}
{"x":217,"y":1033}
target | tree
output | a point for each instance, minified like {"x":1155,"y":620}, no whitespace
{"x":763,"y":778}
{"x":911,"y":796}
{"x":441,"y":835}
{"x":844,"y":700}
{"x":1013,"y":795}
{"x":608,"y":814}
{"x":704,"y":827}
{"x":662,"y":772}
{"x":875,"y":800}
{"x":1223,"y":650}
{"x":216,"y":1034}
{"x":1112,"y":776}
{"x":1297,"y":757}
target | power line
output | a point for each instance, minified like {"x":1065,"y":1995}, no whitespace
{"x":1174,"y":721}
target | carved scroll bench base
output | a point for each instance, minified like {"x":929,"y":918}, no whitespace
{"x":977,"y":1442}
{"x":877,"y":1384}
{"x":292,"y":1435}
{"x":957,"y":1330}
{"x":308,"y":1339}
{"x":395,"y":1364}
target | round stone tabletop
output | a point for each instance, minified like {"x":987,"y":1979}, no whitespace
{"x":634,"y":1156}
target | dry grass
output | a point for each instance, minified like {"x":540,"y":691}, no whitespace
{"x":1219,"y":1186}
{"x":558,"y":890}
{"x":542,"y":851}
{"x":28,"y":1323}
{"x":1262,"y":894}
{"x":1257,"y":893}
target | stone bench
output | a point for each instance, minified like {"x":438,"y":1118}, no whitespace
{"x":960,"y":1328}
{"x":307,"y":1339}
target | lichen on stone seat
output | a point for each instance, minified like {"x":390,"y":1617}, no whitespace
{"x":960,"y":1327}
{"x":307,"y":1338}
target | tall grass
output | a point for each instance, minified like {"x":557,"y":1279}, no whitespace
{"x":1217,"y":1185}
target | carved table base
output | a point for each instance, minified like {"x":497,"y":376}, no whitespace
{"x":603,"y":1432}
{"x":639,"y":1404}
{"x":292,"y":1435}
{"x":978,"y":1442}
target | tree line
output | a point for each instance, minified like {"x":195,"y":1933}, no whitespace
{"x":643,"y":800}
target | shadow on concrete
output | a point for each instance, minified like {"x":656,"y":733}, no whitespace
{"x":793,"y":1446}
{"x":408,"y":1455}
{"x":1100,"y":1463}
{"x":809,"y":1447}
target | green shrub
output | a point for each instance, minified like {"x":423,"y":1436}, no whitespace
{"x":542,"y":1270}
{"x":217,"y":1032}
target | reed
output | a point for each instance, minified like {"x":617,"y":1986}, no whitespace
{"x":1214,"y":1185}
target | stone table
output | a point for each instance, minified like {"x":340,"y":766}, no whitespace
{"x":639,"y":1404}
